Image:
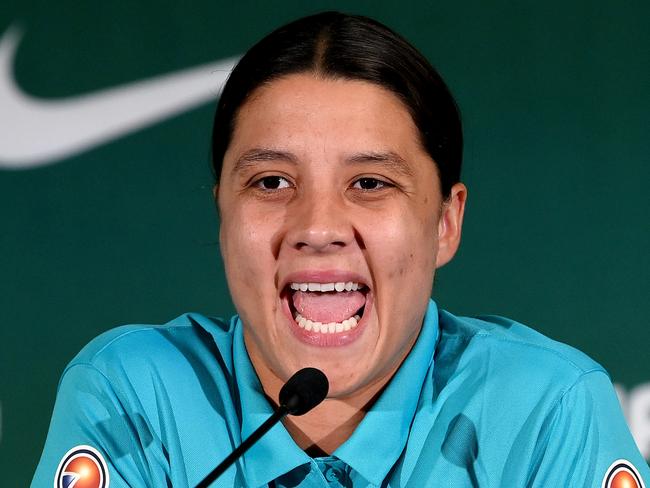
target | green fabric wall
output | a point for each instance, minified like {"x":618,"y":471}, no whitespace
{"x":555,"y":104}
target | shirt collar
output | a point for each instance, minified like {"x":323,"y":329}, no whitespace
{"x":387,"y":424}
{"x":276,"y":444}
{"x":391,"y":415}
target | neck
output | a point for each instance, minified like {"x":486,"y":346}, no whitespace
{"x":322,"y":430}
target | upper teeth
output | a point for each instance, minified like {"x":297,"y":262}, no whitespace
{"x":338,"y":286}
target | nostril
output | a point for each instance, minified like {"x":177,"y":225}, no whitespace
{"x":329,"y":246}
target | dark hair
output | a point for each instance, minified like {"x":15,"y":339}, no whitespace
{"x":336,"y":45}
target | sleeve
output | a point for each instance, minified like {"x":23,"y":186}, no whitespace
{"x":585,"y":441}
{"x":93,"y":439}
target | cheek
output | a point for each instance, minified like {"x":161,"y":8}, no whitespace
{"x":405,"y":245}
{"x":247,"y":252}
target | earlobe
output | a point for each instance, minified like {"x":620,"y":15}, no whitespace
{"x":450,"y":224}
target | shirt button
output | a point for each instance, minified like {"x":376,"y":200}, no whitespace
{"x":333,"y":474}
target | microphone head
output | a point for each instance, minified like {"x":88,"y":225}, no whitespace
{"x":304,"y":390}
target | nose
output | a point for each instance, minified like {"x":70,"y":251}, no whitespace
{"x":319,"y":223}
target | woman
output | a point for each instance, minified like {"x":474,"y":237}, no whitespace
{"x":337,"y":150}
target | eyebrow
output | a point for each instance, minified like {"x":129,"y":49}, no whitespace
{"x":258,"y":154}
{"x":389,"y":160}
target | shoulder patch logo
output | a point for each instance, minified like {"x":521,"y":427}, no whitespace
{"x":82,"y":467}
{"x":622,"y":474}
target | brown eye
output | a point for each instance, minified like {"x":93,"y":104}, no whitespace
{"x":369,"y":184}
{"x":272,"y":183}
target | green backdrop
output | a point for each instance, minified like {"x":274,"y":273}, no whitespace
{"x":555,"y":104}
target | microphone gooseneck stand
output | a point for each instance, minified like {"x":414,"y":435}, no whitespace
{"x":278,"y":415}
{"x":302,"y":392}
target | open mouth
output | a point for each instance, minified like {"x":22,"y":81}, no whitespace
{"x":326,"y":314}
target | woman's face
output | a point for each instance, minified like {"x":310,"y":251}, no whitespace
{"x":331,"y":209}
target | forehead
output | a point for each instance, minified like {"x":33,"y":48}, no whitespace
{"x":305,"y":113}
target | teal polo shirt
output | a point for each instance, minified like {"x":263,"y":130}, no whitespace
{"x":477,"y":402}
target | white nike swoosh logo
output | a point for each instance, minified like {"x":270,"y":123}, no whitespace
{"x":35,"y":132}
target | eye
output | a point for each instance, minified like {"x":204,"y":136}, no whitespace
{"x":369,"y":184}
{"x":272,"y":182}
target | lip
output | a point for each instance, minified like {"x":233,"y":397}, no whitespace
{"x":336,"y":339}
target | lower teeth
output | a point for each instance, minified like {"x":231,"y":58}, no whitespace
{"x":329,"y":328}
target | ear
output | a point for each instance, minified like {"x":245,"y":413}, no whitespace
{"x":450,"y":224}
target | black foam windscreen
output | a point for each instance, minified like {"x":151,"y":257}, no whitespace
{"x":304,"y":390}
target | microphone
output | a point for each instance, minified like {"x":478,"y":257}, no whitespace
{"x":302,"y":392}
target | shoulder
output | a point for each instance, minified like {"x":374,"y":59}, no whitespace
{"x":510,"y":354}
{"x":150,"y":391}
{"x":186,"y":343}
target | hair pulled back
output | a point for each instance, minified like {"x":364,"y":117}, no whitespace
{"x":337,"y":45}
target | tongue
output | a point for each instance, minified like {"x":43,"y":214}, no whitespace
{"x":328,"y":307}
